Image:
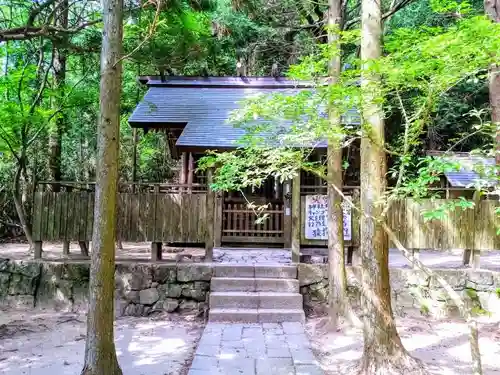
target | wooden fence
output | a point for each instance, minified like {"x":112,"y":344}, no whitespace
{"x":460,"y":229}
{"x":151,"y":213}
{"x":151,"y":217}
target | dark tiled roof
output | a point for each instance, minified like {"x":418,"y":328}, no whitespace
{"x":258,"y":82}
{"x":204,"y":109}
{"x":474,"y":170}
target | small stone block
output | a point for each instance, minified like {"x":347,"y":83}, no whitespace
{"x":308,"y":370}
{"x":278,"y":272}
{"x":282,"y":352}
{"x":203,"y":362}
{"x":234,"y":270}
{"x":227,"y":353}
{"x":303,"y":356}
{"x":291,"y":328}
{"x":281,"y":366}
{"x":212,"y":371}
{"x":208,"y":350}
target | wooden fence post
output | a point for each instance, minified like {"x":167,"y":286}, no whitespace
{"x":66,"y":251}
{"x":38,"y":249}
{"x":156,"y":251}
{"x":296,"y":222}
{"x":210,"y":218}
{"x":190,"y":176}
{"x":472,"y":255}
{"x":219,"y":201}
{"x":287,"y":221}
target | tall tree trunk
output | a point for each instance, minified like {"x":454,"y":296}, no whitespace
{"x":336,"y":259}
{"x":492,"y":9}
{"x":100,"y":353}
{"x":59,"y":79}
{"x":384,"y":353}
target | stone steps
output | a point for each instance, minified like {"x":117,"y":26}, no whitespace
{"x":246,"y":284}
{"x":255,"y":300}
{"x":256,"y":315}
{"x":255,"y":294}
{"x":256,"y":271}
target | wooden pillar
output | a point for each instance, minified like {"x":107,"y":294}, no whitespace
{"x":472,"y":256}
{"x":190,"y":176}
{"x":219,"y":201}
{"x":296,"y":220}
{"x":156,"y":251}
{"x":66,"y":251}
{"x":183,"y":171}
{"x":287,"y":221}
{"x":134,"y":155}
{"x":210,"y":218}
{"x":38,"y":249}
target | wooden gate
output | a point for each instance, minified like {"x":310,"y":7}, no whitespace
{"x":257,"y":223}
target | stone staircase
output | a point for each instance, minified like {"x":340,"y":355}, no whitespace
{"x":255,"y":294}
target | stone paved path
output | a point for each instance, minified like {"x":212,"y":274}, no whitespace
{"x":254,"y":349}
{"x":251,"y":256}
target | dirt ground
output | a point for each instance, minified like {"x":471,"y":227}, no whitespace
{"x":441,"y":344}
{"x":132,"y":251}
{"x":34,"y":343}
{"x":141,"y":251}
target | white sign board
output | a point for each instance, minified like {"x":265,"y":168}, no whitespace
{"x":316,"y":220}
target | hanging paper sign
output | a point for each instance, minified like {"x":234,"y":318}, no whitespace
{"x":316,"y":220}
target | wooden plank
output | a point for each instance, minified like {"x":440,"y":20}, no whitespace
{"x":37,"y":217}
{"x":83,"y":212}
{"x":136,"y":209}
{"x":190,"y":176}
{"x":57,"y":217}
{"x":143,"y":213}
{"x":183,"y":171}
{"x":50,"y":216}
{"x":120,"y":217}
{"x":218,"y":220}
{"x":64,"y":216}
{"x":70,"y":213}
{"x":90,"y":217}
{"x":242,"y":239}
{"x":287,"y":212}
{"x":234,"y":218}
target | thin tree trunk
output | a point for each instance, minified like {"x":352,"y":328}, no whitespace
{"x":100,"y":353}
{"x":59,"y":77}
{"x":18,"y":201}
{"x":384,"y":353}
{"x":336,"y":259}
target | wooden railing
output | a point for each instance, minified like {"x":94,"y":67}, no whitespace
{"x":241,"y":223}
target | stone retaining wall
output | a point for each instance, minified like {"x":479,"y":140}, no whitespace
{"x":141,"y":289}
{"x":412,"y":290}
